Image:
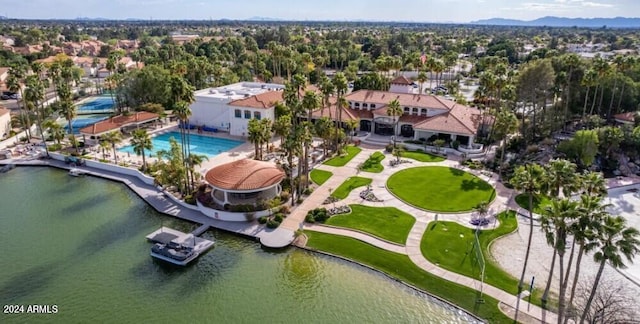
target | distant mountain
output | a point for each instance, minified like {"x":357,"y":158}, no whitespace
{"x":258,"y":18}
{"x":617,"y":22}
{"x":90,"y":18}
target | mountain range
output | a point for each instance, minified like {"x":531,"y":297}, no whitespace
{"x":617,"y":22}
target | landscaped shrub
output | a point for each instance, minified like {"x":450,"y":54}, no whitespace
{"x":190,"y":199}
{"x":285,"y":195}
{"x":278,"y":217}
{"x":272,"y":223}
{"x":299,"y":201}
{"x":55,"y":147}
{"x":389,"y":148}
{"x":317,"y":215}
{"x":263,"y":220}
{"x":285,"y":209}
{"x":307,"y":191}
{"x":242,"y":208}
{"x":455,"y":144}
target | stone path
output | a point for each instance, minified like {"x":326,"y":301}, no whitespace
{"x":504,"y":199}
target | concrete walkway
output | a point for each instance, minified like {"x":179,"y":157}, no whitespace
{"x":503,"y":200}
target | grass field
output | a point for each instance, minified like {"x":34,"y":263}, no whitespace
{"x":400,"y":267}
{"x":440,"y":189}
{"x":348,"y":185}
{"x":373,"y":163}
{"x":421,"y":156}
{"x":539,"y":202}
{"x":388,"y":223}
{"x":450,"y":245}
{"x":320,"y":176}
{"x":341,"y":160}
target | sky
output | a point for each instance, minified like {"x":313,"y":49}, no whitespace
{"x":374,"y":10}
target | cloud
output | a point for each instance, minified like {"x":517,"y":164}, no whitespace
{"x":596,"y":4}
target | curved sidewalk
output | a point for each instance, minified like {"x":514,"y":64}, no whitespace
{"x":504,"y":199}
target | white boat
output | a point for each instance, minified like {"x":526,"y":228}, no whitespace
{"x":77,"y":172}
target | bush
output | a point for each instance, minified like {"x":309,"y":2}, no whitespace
{"x":242,"y":208}
{"x":317,"y":215}
{"x":307,"y":191}
{"x":455,"y":144}
{"x":278,"y":217}
{"x":532,"y":149}
{"x":388,"y":148}
{"x":285,"y":195}
{"x":263,"y":220}
{"x":285,"y":209}
{"x":190,"y":199}
{"x":299,"y":201}
{"x":272,"y":224}
{"x":55,"y":147}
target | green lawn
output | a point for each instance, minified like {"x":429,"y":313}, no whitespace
{"x":539,"y":202}
{"x":388,"y":223}
{"x":440,"y":189}
{"x":348,"y":185}
{"x":320,"y":176}
{"x":341,"y":160}
{"x":450,"y":245}
{"x":372,"y":164}
{"x":421,"y":156}
{"x":400,"y":266}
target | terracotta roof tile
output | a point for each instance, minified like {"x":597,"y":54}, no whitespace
{"x":461,"y":120}
{"x":116,"y":122}
{"x":405,"y":99}
{"x":244,"y":175}
{"x":628,"y":116}
{"x":264,"y":100}
{"x":402,"y":80}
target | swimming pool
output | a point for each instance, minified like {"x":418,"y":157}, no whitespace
{"x":99,"y":104}
{"x":206,"y":145}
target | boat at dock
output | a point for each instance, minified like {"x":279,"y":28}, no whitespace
{"x":75,"y":172}
{"x":176,"y":247}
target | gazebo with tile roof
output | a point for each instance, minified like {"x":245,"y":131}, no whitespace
{"x":244,"y":182}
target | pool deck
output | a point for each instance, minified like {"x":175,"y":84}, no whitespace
{"x":278,"y":238}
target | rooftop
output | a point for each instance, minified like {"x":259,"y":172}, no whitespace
{"x":244,"y":175}
{"x":237,"y":91}
{"x":116,"y":122}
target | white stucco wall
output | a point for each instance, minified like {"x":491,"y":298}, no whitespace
{"x":239,"y":125}
{"x":5,"y":125}
{"x":212,"y":112}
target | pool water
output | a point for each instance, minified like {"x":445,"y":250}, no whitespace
{"x":99,"y":104}
{"x":205,"y":145}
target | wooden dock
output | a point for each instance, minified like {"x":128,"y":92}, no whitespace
{"x":164,"y":235}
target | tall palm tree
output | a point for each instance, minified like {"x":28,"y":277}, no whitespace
{"x":55,"y":130}
{"x":310,"y":102}
{"x":588,"y":81}
{"x":394,"y":110}
{"x":352,"y":124}
{"x":560,"y":215}
{"x":16,"y":76}
{"x":561,"y":177}
{"x":340,"y":83}
{"x":113,"y":138}
{"x":615,"y":242}
{"x":590,"y":212}
{"x":140,"y":142}
{"x":35,"y":95}
{"x":182,"y":111}
{"x":506,"y":123}
{"x":327,"y":88}
{"x":527,"y":179}
{"x":625,"y":66}
{"x":422,"y":78}
{"x":254,"y":129}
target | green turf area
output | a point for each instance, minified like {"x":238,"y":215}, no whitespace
{"x":346,"y":187}
{"x":400,"y":266}
{"x":539,"y":202}
{"x":440,"y":189}
{"x":320,"y":176}
{"x":421,"y":156}
{"x":372,"y":164}
{"x":450,"y":245}
{"x":388,"y":223}
{"x":341,"y":160}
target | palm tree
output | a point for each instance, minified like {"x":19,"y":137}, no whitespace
{"x":590,"y":212}
{"x":506,"y":122}
{"x":394,"y":110}
{"x":55,"y":130}
{"x":340,"y":84}
{"x":182,"y":111}
{"x":557,"y":220}
{"x":482,"y":208}
{"x":527,"y":179}
{"x":113,"y":138}
{"x":310,"y":102}
{"x":141,"y":141}
{"x":588,"y":81}
{"x":16,"y":76}
{"x":561,"y":177}
{"x":352,"y":124}
{"x":422,"y":78}
{"x":593,"y":184}
{"x":255,"y":136}
{"x":615,"y":241}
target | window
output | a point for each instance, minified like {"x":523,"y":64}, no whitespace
{"x":357,"y":105}
{"x":238,"y":113}
{"x":247,"y":114}
{"x":364,"y":105}
{"x":423,"y":112}
{"x":256,"y":115}
{"x":406,"y":110}
{"x":415,"y":111}
{"x":372,"y":106}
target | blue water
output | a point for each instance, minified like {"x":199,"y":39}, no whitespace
{"x":100,"y":104}
{"x":209,"y":146}
{"x":84,"y":121}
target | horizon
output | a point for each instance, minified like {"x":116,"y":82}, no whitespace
{"x":448,"y":11}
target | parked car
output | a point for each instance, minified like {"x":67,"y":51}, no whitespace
{"x":442,"y":89}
